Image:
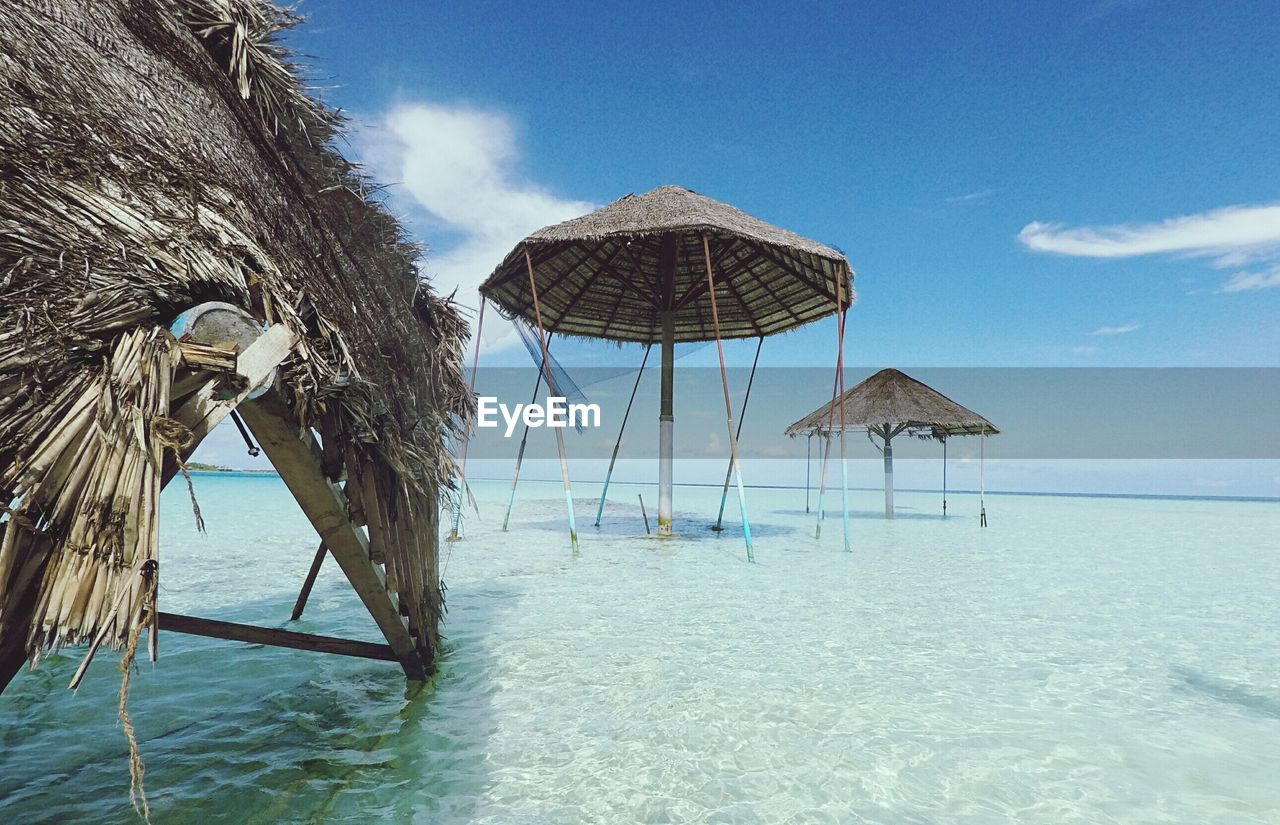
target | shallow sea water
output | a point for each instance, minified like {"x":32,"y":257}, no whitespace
{"x":1079,"y":661}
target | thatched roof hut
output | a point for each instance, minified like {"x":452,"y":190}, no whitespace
{"x":156,"y":155}
{"x":889,"y":404}
{"x":893,"y":397}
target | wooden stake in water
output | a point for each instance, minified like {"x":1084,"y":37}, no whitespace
{"x":982,"y":478}
{"x":728,"y":406}
{"x":643,"y":514}
{"x":944,"y":476}
{"x":621,"y":429}
{"x":546,"y":366}
{"x":724,"y":494}
{"x":466,"y":440}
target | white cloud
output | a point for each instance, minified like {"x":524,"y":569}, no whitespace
{"x":1233,"y":234}
{"x":1117,"y":330}
{"x":972,"y":197}
{"x":1249,"y":281}
{"x":459,"y":165}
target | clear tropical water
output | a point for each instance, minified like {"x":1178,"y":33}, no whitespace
{"x":1080,"y":661}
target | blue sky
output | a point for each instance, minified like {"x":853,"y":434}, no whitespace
{"x":1015,"y":184}
{"x":919,"y":138}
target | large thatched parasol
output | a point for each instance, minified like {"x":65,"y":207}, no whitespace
{"x":664,"y":267}
{"x":888,"y":404}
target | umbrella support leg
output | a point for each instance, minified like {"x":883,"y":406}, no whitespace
{"x":844,"y":464}
{"x":822,"y":485}
{"x":462,"y":465}
{"x":524,"y":439}
{"x":982,"y":479}
{"x":613,"y":459}
{"x":724,"y":494}
{"x":546,"y":367}
{"x":728,"y":406}
{"x":808,"y":465}
{"x":944,"y":477}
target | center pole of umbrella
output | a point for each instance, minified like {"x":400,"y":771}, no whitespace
{"x":728,"y":405}
{"x":666,"y":414}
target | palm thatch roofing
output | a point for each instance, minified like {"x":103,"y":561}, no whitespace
{"x":601,"y":275}
{"x":894,"y":398}
{"x":155,"y":154}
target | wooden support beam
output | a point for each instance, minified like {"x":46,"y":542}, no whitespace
{"x":296,"y":457}
{"x":251,"y":634}
{"x":310,"y":582}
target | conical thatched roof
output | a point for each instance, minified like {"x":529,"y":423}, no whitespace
{"x":600,"y":275}
{"x":895,"y":398}
{"x":154,"y":155}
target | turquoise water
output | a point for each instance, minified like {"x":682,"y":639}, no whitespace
{"x":1080,"y":661}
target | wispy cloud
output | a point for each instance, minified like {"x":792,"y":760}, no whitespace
{"x":973,"y":197}
{"x":1122,"y":329}
{"x":1230,"y":231}
{"x":1234,"y":236}
{"x":459,"y":165}
{"x":1249,"y":281}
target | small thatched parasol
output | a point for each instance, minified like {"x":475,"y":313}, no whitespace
{"x":888,"y":404}
{"x":646,"y":268}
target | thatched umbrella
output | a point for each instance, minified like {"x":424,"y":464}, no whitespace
{"x":889,"y":404}
{"x":647,"y":269}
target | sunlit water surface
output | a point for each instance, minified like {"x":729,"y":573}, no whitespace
{"x":1079,"y":661}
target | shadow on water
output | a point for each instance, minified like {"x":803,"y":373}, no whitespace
{"x":246,"y":733}
{"x":899,"y":514}
{"x":622,"y":520}
{"x":1195,"y":681}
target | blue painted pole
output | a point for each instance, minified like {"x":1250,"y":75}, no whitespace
{"x":728,"y":405}
{"x":724,"y":494}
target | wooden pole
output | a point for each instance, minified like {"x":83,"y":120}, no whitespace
{"x":944,"y":476}
{"x":546,"y":366}
{"x":724,"y":494}
{"x":274,"y":637}
{"x":728,"y":406}
{"x":666,"y":409}
{"x":808,"y":465}
{"x":524,"y":439}
{"x":888,"y":471}
{"x":466,"y":441}
{"x":836,"y":393}
{"x":844,"y":464}
{"x":308,"y":583}
{"x":643,"y":514}
{"x":982,"y":477}
{"x":613,"y":459}
{"x":296,"y":456}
